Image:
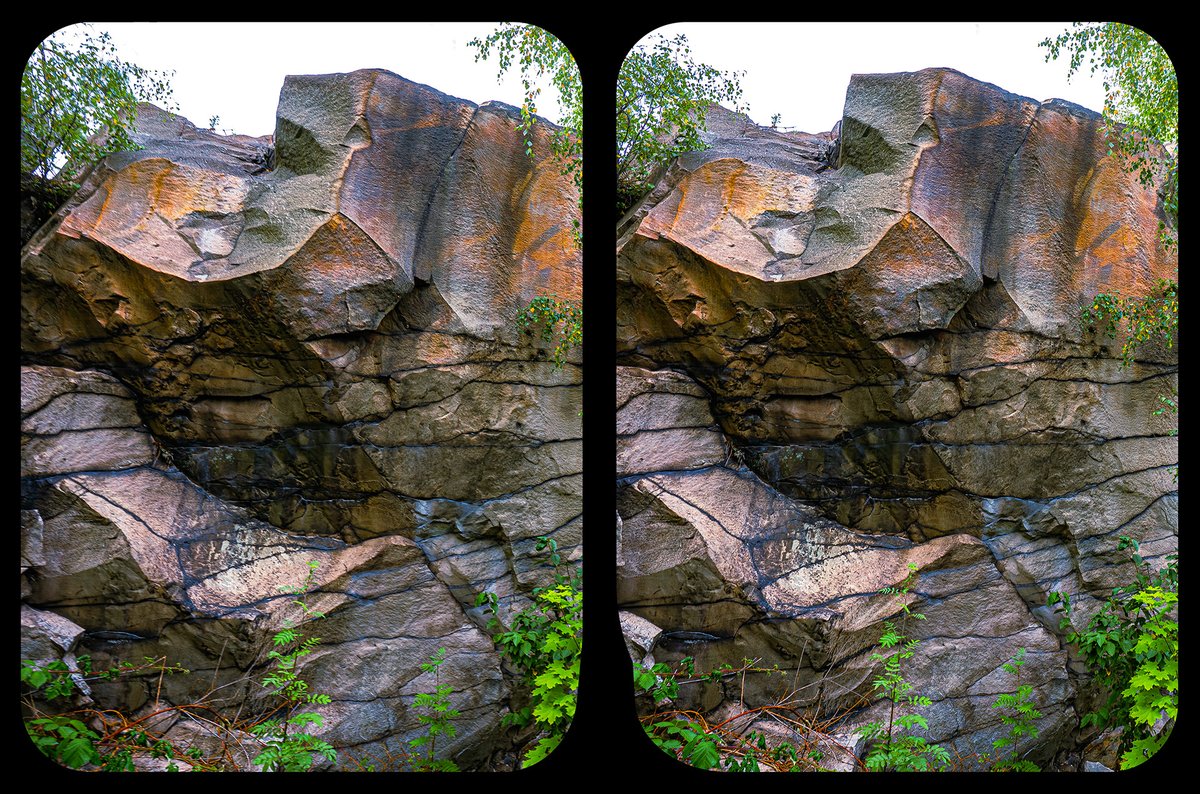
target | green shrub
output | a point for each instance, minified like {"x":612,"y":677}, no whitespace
{"x":86,"y":738}
{"x":1019,"y":720}
{"x":557,"y":321}
{"x":543,"y":643}
{"x":289,"y":747}
{"x":1131,"y":647}
{"x":893,"y":748}
{"x":436,"y":718}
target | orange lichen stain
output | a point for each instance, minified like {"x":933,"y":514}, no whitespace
{"x":1106,"y":236}
{"x":129,"y":200}
{"x":681,"y":198}
{"x":340,"y":248}
{"x":465,"y":243}
{"x":159,"y":179}
{"x":997,"y":119}
{"x":1122,"y":258}
{"x":174,"y":191}
{"x":1029,"y":240}
{"x":1002,"y":347}
{"x":104,"y":203}
{"x":751,"y":190}
{"x":517,"y":193}
{"x":423,"y":123}
{"x":528,"y":195}
{"x":731,"y":189}
{"x":543,"y":214}
{"x":1081,"y":186}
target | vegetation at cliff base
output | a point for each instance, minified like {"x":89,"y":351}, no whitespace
{"x":543,"y":642}
{"x":289,"y":746}
{"x":896,"y":745}
{"x":1131,"y":647}
{"x":791,"y":735}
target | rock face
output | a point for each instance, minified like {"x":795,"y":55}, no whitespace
{"x":240,"y":355}
{"x":827,"y":373}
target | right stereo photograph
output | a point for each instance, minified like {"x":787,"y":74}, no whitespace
{"x":896,"y":395}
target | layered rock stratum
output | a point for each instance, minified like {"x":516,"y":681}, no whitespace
{"x":242,"y":354}
{"x":843,"y":353}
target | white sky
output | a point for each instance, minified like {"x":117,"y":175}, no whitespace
{"x":801,"y":70}
{"x":235,"y":70}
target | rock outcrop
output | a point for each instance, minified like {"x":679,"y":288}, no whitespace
{"x":827,"y":373}
{"x":241,"y":355}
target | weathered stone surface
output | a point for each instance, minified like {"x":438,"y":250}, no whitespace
{"x":242,"y":355}
{"x":640,"y":636}
{"x":663,"y":423}
{"x":46,"y":636}
{"x":889,"y":346}
{"x":78,"y":421}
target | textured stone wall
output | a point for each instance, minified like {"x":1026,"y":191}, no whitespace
{"x":239,"y":355}
{"x":828,"y":371}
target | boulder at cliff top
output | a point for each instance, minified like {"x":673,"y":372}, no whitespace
{"x":860,"y":366}
{"x":241,"y":355}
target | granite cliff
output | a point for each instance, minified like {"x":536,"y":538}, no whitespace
{"x":842,"y":353}
{"x":240,"y":355}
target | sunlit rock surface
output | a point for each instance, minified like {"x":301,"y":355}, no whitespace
{"x":843,"y":353}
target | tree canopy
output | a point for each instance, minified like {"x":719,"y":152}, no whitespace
{"x":75,"y":87}
{"x":662,"y":97}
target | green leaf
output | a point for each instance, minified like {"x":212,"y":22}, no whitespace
{"x":77,"y":751}
{"x":703,"y":753}
{"x":1141,"y":751}
{"x":543,"y":748}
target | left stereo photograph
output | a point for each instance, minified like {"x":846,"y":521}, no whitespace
{"x":301,"y":396}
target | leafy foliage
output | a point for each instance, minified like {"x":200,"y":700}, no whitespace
{"x":892,"y":750}
{"x":65,"y":740}
{"x":688,"y":737}
{"x":662,"y":97}
{"x":53,"y":679}
{"x":687,"y":741}
{"x":544,"y":642}
{"x":436,"y":718}
{"x":1153,"y":689}
{"x":1019,"y":720}
{"x":560,"y":323}
{"x":1149,"y":317}
{"x":289,"y":747}
{"x":81,"y":738}
{"x":1131,"y":647}
{"x":74,"y":87}
{"x":537,"y":54}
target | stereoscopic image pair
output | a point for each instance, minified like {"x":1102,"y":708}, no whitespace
{"x":303,"y":424}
